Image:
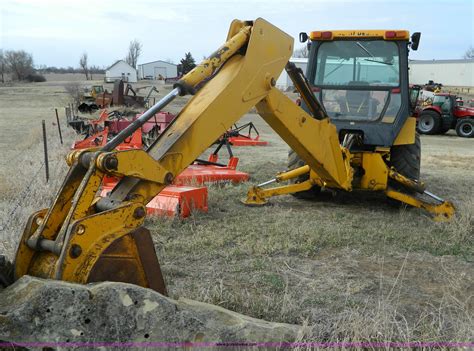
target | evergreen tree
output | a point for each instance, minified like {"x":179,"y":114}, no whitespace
{"x":187,"y":63}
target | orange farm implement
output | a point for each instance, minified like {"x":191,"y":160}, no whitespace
{"x":237,"y":136}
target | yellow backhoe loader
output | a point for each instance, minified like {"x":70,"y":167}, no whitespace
{"x":353,"y":131}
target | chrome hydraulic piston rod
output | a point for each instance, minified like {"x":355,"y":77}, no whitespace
{"x":186,"y":85}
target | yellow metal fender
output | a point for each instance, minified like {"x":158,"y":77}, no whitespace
{"x":407,"y":133}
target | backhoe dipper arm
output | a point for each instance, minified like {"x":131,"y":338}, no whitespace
{"x":82,"y":238}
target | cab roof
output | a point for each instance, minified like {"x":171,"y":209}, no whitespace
{"x":384,"y":34}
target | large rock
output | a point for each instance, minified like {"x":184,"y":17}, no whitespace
{"x":37,"y":310}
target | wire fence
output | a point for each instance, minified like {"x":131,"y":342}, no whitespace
{"x":26,"y":189}
{"x":20,"y":199}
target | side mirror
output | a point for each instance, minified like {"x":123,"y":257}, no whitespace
{"x":415,"y":40}
{"x":303,"y":37}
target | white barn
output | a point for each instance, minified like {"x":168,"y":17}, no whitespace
{"x":155,"y":69}
{"x":457,"y":73}
{"x":284,"y":81}
{"x":121,"y":70}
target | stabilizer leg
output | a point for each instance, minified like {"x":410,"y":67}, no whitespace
{"x":442,"y":210}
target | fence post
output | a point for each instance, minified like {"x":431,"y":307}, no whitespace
{"x":67,"y":111}
{"x":71,"y":107}
{"x":45,"y":144}
{"x":59,"y":126}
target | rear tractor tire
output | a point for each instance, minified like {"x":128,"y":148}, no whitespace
{"x":294,"y":161}
{"x":465,"y":128}
{"x":429,"y":122}
{"x":406,"y":161}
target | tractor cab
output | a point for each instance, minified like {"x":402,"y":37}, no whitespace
{"x":361,"y":79}
{"x":97,"y":90}
{"x":92,"y":91}
{"x":414,"y":97}
{"x":446,"y":104}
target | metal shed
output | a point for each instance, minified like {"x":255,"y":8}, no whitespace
{"x":157,"y":69}
{"x":121,"y":70}
{"x":458,"y":73}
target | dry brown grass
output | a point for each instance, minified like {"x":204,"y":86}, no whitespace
{"x":349,"y":269}
{"x":23,"y":186}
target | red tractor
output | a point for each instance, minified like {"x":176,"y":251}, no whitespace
{"x":446,"y":113}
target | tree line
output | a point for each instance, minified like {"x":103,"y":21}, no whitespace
{"x":69,"y":69}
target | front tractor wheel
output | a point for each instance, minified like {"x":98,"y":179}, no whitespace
{"x":465,"y":128}
{"x":429,"y":122}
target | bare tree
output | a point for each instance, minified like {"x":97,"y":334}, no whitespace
{"x":301,"y":52}
{"x":134,"y":52}
{"x":3,"y":65}
{"x":73,"y":89}
{"x":84,"y":65}
{"x":469,"y":54}
{"x":20,"y":63}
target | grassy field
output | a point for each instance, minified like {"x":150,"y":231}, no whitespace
{"x":350,"y":268}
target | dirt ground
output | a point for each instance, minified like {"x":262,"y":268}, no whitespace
{"x":350,"y":268}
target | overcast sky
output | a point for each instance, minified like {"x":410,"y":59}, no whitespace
{"x":56,"y":32}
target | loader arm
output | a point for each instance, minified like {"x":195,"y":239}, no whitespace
{"x":83,"y":238}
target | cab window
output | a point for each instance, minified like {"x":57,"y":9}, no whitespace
{"x":362,"y":62}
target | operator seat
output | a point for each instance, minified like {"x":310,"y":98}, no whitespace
{"x":358,"y":103}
